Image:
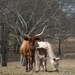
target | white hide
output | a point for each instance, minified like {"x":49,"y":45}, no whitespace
{"x":51,"y":54}
{"x":47,"y":46}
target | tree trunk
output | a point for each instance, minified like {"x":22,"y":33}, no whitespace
{"x":18,"y":47}
{"x":4,"y":51}
{"x":15,"y":48}
{"x":59,"y":47}
{"x":4,"y":59}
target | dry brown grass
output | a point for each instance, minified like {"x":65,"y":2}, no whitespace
{"x":66,"y":67}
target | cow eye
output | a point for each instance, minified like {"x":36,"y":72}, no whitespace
{"x":26,"y":39}
{"x":37,"y":39}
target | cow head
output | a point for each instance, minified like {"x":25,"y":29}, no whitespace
{"x":55,"y":63}
{"x":32,"y":38}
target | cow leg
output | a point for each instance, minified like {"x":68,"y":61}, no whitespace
{"x":26,"y":64}
{"x":40,"y":64}
{"x":43,"y":65}
{"x":36,"y":64}
{"x":46,"y":65}
{"x":29,"y":64}
{"x":32,"y":63}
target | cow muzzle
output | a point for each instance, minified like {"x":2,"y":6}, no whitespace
{"x":32,"y":47}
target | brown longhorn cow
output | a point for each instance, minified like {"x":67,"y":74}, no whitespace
{"x":28,"y":47}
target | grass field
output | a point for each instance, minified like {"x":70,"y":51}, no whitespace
{"x":66,"y":67}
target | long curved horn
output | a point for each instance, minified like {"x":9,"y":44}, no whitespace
{"x":42,"y":31}
{"x":24,"y":35}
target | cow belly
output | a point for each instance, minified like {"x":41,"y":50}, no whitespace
{"x":41,"y":56}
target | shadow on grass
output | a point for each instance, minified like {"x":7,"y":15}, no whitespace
{"x":48,"y":71}
{"x":53,"y":71}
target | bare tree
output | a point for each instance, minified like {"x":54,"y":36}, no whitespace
{"x":30,"y":16}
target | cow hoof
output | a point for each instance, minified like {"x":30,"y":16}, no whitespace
{"x":56,"y":70}
{"x":26,"y":70}
{"x":32,"y":71}
{"x":36,"y":71}
{"x":44,"y":71}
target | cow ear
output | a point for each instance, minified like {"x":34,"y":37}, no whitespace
{"x":26,"y":38}
{"x":37,"y":39}
{"x":54,"y":59}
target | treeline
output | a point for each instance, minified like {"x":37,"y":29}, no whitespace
{"x":30,"y":16}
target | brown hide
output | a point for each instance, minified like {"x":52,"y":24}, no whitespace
{"x":24,"y":48}
{"x":27,"y":49}
{"x":42,"y":51}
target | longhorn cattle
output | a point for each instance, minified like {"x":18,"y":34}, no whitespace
{"x":52,"y":57}
{"x":28,"y":47}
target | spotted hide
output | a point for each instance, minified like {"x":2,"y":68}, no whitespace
{"x":51,"y":55}
{"x":40,"y":58}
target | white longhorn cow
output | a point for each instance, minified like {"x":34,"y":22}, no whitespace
{"x":52,"y":57}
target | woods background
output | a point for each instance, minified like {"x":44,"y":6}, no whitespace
{"x":29,"y":17}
